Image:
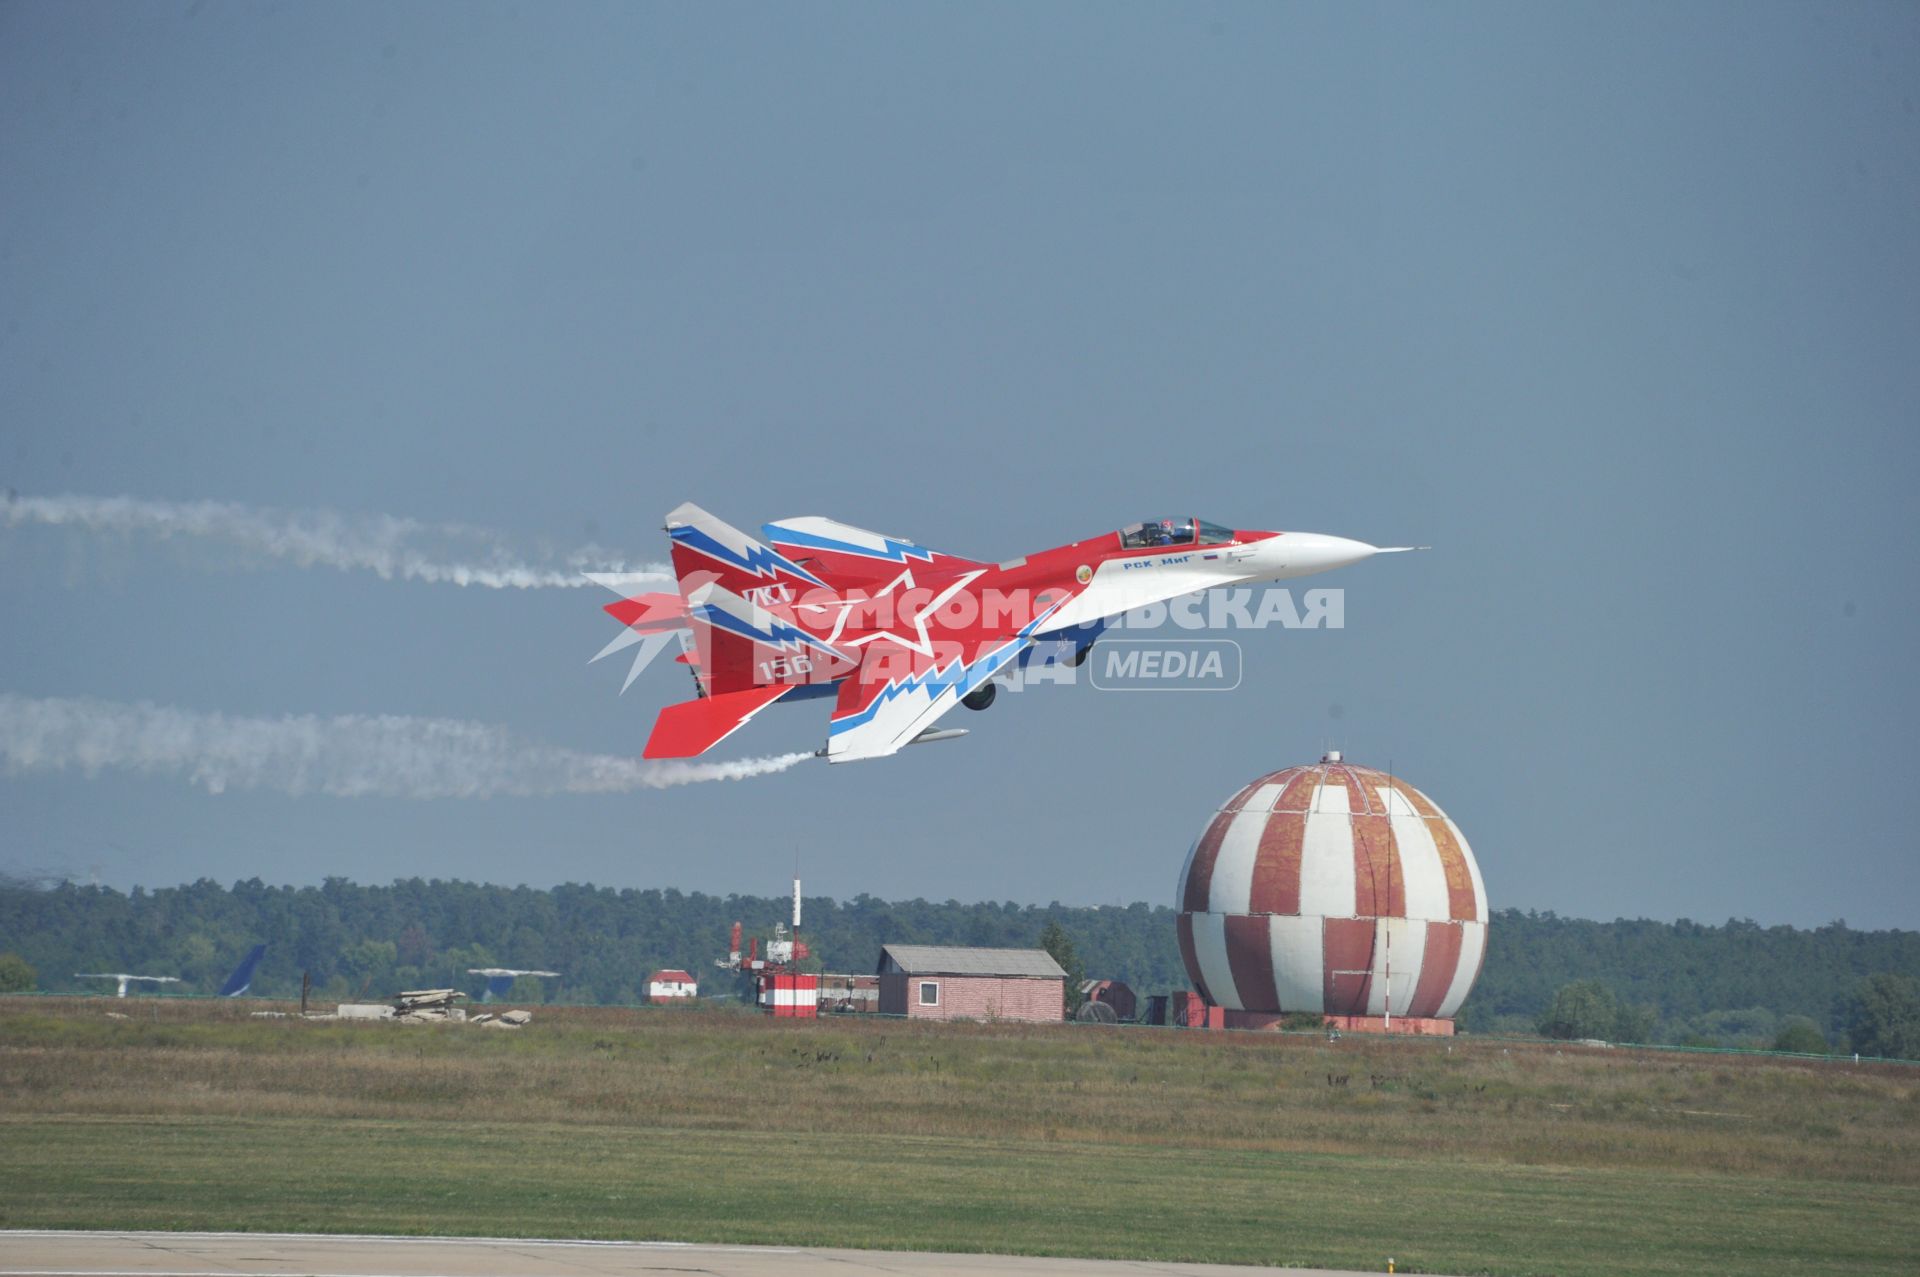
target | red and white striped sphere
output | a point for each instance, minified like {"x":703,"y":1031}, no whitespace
{"x":1336,"y":889}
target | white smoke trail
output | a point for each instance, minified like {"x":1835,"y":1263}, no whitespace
{"x":391,"y":547}
{"x":352,"y":756}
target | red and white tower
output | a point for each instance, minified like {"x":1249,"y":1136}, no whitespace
{"x":779,"y":986}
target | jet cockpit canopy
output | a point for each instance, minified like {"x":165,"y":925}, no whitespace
{"x":1160,"y":533}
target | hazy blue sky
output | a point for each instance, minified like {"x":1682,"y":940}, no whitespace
{"x":1617,"y":306}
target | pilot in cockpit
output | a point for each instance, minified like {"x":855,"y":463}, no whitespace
{"x":1157,"y":533}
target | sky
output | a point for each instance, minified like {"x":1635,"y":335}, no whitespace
{"x":1613,"y":305}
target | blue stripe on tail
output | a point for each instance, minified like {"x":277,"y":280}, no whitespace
{"x":242,"y":978}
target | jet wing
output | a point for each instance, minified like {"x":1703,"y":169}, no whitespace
{"x":877,"y":715}
{"x":691,"y":728}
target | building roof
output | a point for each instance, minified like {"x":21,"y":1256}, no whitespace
{"x":941,"y":959}
{"x":672,"y":975}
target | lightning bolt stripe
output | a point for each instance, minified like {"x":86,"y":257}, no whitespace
{"x":752,"y":556}
{"x":891,"y":549}
{"x":959,"y":676}
{"x":785,"y":637}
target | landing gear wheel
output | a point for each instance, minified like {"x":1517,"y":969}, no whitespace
{"x":981,"y":697}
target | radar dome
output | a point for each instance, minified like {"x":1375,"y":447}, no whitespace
{"x":1334,"y":889}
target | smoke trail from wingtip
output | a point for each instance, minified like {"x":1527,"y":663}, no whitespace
{"x":350,"y":756}
{"x":392,"y":548}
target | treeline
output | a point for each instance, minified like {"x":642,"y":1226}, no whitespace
{"x":416,"y":933}
{"x":1734,"y":984}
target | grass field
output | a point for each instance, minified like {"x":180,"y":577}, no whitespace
{"x":1240,"y":1148}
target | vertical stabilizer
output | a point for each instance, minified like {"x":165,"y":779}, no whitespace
{"x":707,"y":551}
{"x":242,"y":978}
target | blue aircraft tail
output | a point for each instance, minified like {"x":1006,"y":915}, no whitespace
{"x":242,"y":978}
{"x":498,"y":986}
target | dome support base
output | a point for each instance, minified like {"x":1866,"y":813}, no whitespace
{"x":1419,"y":1026}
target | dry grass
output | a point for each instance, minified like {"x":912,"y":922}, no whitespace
{"x":1820,"y":1153}
{"x":1518,"y":1104}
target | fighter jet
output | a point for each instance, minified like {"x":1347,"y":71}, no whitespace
{"x":897,"y":634}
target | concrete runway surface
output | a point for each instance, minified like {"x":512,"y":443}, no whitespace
{"x":52,"y":1253}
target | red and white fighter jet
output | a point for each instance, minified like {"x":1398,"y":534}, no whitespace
{"x":898,"y":634}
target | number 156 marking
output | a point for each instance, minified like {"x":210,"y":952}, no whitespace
{"x":785,"y":667}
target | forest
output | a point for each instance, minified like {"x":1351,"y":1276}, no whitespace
{"x":1735,"y":983}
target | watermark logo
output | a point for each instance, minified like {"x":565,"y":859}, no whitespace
{"x":1151,"y":665}
{"x":901,"y":631}
{"x":1242,"y":608}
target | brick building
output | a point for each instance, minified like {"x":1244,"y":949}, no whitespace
{"x":943,"y":982}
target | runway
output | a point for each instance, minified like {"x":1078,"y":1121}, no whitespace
{"x":51,"y":1253}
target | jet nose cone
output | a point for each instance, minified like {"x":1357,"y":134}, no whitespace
{"x":1304,"y":553}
